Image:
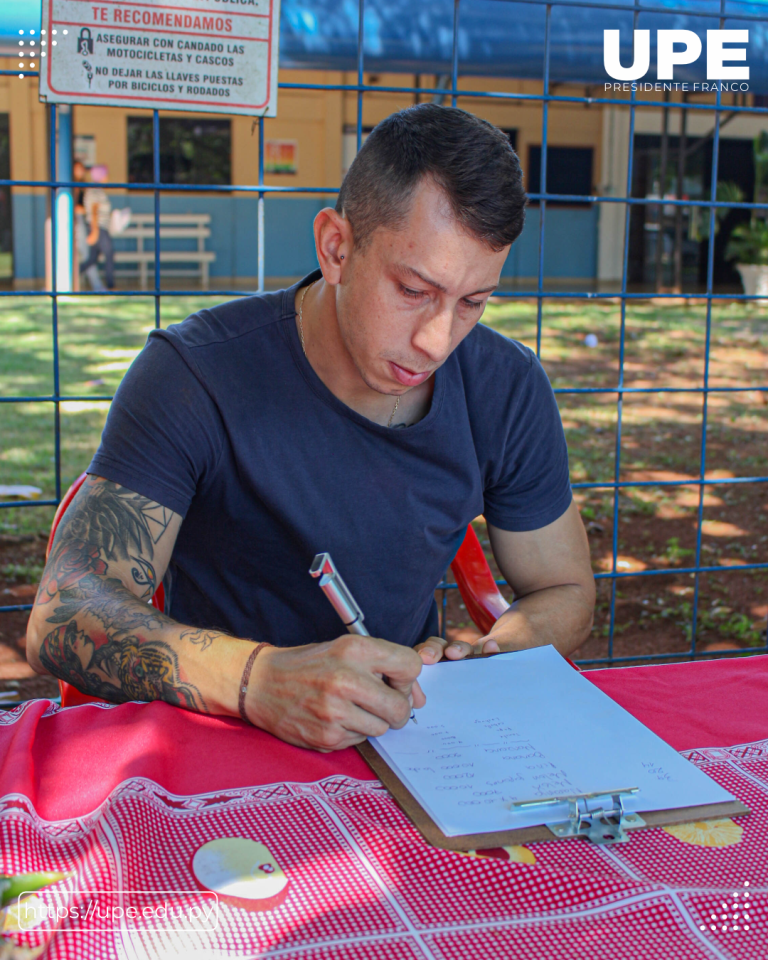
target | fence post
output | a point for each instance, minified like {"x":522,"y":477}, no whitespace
{"x":64,"y":201}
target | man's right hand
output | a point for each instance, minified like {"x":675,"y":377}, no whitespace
{"x":329,"y":696}
{"x":92,"y":627}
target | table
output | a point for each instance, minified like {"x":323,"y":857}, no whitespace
{"x":124,"y":795}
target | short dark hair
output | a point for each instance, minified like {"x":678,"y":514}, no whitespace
{"x":471,"y":160}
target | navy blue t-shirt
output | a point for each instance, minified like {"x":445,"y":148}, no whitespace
{"x":222,"y":419}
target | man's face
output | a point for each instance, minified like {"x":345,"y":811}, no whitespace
{"x":413,"y":294}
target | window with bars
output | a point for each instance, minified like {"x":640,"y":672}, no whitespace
{"x":194,"y":151}
{"x":569,"y":171}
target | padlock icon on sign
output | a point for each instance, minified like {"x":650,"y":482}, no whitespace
{"x":85,"y":41}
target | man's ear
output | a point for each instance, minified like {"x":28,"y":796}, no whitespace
{"x":333,"y":243}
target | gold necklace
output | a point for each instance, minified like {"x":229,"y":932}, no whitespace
{"x":304,"y":348}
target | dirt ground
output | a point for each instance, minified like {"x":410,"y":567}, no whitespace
{"x":664,"y":346}
{"x":652,"y":615}
{"x":21,"y":559}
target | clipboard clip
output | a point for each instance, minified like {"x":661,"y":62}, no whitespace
{"x":599,"y":816}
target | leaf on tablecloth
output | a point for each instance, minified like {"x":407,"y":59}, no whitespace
{"x":514,"y":854}
{"x":708,"y":833}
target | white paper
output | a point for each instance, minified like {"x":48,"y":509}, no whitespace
{"x":524,"y":726}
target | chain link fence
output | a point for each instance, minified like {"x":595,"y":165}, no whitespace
{"x":448,"y":89}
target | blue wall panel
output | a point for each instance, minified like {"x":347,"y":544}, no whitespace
{"x":570,"y":244}
{"x":28,"y":211}
{"x":570,"y":248}
{"x":289,"y":245}
{"x":289,"y":239}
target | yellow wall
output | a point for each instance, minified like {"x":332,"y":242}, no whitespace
{"x":28,"y":127}
{"x":109,"y":127}
{"x":314,"y":118}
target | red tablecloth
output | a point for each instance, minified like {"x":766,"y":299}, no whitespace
{"x":125,"y":795}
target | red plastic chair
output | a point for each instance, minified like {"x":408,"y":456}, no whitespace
{"x":478,"y":590}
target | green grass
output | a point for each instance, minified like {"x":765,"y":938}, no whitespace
{"x":664,"y":347}
{"x":99,"y":337}
{"x":22,"y":572}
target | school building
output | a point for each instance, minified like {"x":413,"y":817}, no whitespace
{"x":313,"y":140}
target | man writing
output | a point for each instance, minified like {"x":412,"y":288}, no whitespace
{"x":363,"y":412}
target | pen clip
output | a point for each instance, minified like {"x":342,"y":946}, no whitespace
{"x":333,"y":586}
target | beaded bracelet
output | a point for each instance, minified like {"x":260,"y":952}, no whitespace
{"x":246,"y":677}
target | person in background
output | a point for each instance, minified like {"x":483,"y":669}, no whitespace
{"x":97,"y":212}
{"x":80,"y":174}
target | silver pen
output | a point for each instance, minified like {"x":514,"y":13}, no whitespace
{"x":333,"y":586}
{"x":338,"y":593}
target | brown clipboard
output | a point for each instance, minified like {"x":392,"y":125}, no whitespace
{"x":502,"y":838}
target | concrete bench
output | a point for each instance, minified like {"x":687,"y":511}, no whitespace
{"x":173,"y":226}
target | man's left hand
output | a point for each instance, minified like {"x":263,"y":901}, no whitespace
{"x":550,"y":573}
{"x":435,"y":649}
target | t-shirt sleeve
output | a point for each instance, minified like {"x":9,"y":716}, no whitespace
{"x":531,"y":487}
{"x":163,"y":436}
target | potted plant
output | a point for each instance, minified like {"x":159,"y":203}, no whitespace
{"x":748,"y":246}
{"x":748,"y":243}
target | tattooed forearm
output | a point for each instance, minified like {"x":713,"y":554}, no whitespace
{"x":118,"y":663}
{"x":108,"y":641}
{"x":118,"y":670}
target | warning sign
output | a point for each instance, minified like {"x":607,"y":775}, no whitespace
{"x":217,"y":56}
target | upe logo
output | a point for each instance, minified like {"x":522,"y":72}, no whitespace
{"x":667,"y":57}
